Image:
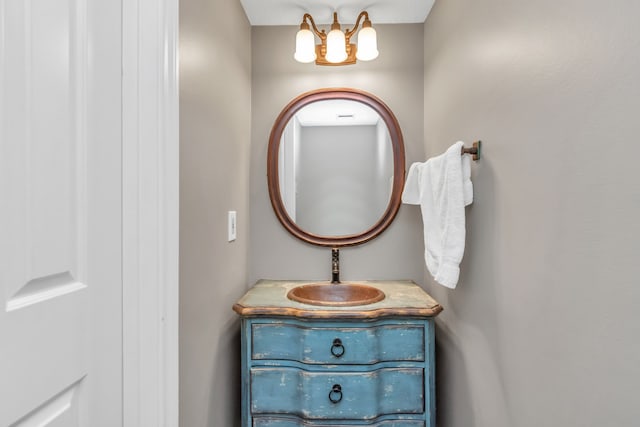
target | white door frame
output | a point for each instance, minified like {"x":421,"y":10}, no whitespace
{"x":150,"y":212}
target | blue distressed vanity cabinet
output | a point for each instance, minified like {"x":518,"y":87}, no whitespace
{"x":312,"y":366}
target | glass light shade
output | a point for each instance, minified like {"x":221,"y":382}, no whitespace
{"x":336,"y":46}
{"x":367,"y":44}
{"x":305,"y":47}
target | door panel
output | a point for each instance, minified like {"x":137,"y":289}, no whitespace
{"x":44,"y":161}
{"x":59,"y":411}
{"x":60,"y":179}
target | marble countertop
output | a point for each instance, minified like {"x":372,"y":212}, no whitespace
{"x":403,"y":298}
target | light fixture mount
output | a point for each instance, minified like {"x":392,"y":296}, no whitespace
{"x":335,"y":48}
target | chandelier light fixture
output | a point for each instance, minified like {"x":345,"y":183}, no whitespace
{"x":335,"y":48}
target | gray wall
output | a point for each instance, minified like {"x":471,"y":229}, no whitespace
{"x":215,"y":96}
{"x":336,"y":193}
{"x":543,"y":328}
{"x":396,"y":77}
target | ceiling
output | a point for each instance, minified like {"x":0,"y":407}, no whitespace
{"x":289,"y":12}
{"x":337,"y":112}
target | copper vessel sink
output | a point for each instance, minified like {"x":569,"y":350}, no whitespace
{"x":338,"y":294}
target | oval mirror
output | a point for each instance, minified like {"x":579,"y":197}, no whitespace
{"x":335,"y":167}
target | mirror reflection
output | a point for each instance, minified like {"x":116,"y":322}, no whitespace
{"x":336,"y":167}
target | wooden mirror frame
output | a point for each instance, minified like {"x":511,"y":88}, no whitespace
{"x":398,"y":165}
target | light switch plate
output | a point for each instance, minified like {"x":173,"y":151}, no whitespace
{"x":232,"y":225}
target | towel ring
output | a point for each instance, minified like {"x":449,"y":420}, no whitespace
{"x":474,"y":150}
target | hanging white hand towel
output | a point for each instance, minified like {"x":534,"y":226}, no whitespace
{"x":442,"y":187}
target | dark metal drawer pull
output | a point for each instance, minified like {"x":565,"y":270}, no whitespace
{"x":337,"y":349}
{"x":335,"y":395}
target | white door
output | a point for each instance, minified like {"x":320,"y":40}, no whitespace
{"x":60,"y":213}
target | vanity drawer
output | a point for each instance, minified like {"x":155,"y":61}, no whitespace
{"x":324,"y":395}
{"x":289,"y":422}
{"x":338,"y":345}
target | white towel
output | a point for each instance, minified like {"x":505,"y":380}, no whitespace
{"x":442,"y":187}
